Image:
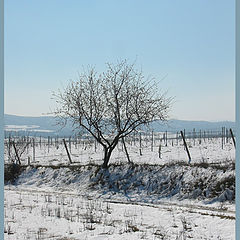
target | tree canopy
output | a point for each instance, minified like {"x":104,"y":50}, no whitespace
{"x":111,"y":105}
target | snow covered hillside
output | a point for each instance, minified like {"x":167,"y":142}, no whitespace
{"x":155,"y":197}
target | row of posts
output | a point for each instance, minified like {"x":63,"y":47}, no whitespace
{"x":201,"y":135}
{"x":225,"y":135}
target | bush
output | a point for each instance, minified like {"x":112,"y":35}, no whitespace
{"x":11,"y":172}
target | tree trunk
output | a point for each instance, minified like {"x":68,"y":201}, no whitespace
{"x":107,"y":155}
{"x":125,"y":148}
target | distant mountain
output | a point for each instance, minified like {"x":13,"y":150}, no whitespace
{"x":37,"y":126}
{"x":176,"y":125}
{"x":47,"y":126}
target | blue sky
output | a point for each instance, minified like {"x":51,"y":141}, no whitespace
{"x":192,"y":42}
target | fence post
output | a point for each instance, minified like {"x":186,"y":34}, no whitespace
{"x":125,"y":148}
{"x":226,"y":135}
{"x":140,"y":140}
{"x":232,"y":137}
{"x":200,"y":137}
{"x":177,"y":138}
{"x":166,"y":139}
{"x":194,"y":136}
{"x":75,"y":142}
{"x":222,"y":136}
{"x":69,"y":142}
{"x":9,"y":148}
{"x":15,"y":149}
{"x":185,"y":144}
{"x":95,"y":145}
{"x":159,"y":151}
{"x":48,"y":143}
{"x":33,"y":150}
{"x":26,"y":140}
{"x":70,"y":160}
{"x":152,"y":142}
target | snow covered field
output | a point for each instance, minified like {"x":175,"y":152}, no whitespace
{"x":84,"y":151}
{"x":36,"y":214}
{"x":48,"y":203}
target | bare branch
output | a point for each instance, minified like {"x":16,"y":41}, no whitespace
{"x":111,"y":105}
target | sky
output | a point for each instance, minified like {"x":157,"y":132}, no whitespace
{"x":188,"y":46}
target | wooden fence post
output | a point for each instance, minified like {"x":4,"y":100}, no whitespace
{"x":166,"y":138}
{"x":140,"y":144}
{"x":125,"y":148}
{"x":185,"y":144}
{"x":177,"y":138}
{"x":27,"y":143}
{"x":226,"y":135}
{"x":75,"y":142}
{"x":33,"y":150}
{"x":194,"y":136}
{"x":200,"y":137}
{"x":70,"y":160}
{"x":15,"y":149}
{"x":232,"y":137}
{"x":9,"y":148}
{"x":48,"y":143}
{"x":159,"y":151}
{"x":69,"y":142}
{"x":140,"y":140}
{"x":222,"y":136}
{"x":95,"y":145}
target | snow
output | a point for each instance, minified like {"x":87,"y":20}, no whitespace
{"x":33,"y":213}
{"x":19,"y":127}
{"x":85,"y":151}
{"x":27,"y":128}
{"x":84,"y":202}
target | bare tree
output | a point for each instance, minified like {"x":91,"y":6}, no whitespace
{"x":16,"y":149}
{"x":111,"y":105}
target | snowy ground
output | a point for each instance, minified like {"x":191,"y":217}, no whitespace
{"x":36,"y":214}
{"x":210,"y":150}
{"x":39,"y":208}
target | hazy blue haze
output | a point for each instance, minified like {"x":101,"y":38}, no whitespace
{"x":192,"y":42}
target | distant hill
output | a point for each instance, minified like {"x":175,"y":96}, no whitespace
{"x":37,"y":126}
{"x":46,"y":126}
{"x":176,"y":125}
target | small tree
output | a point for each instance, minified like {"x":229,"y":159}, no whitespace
{"x":111,"y":105}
